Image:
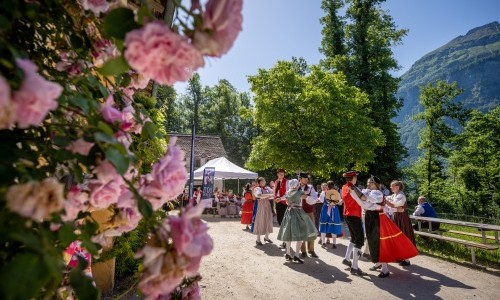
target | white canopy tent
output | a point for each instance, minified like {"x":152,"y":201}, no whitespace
{"x":224,"y":169}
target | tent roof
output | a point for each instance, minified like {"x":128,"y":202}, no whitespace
{"x":224,"y":169}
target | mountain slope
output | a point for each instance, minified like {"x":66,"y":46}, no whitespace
{"x":473,"y":61}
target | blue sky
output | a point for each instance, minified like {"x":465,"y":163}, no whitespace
{"x":279,"y":29}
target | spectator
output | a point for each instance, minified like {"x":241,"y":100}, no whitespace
{"x":425,"y":209}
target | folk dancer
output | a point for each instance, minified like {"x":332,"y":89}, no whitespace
{"x":386,"y":241}
{"x":329,"y":222}
{"x":309,"y":198}
{"x":352,"y":216}
{"x":280,"y":189}
{"x":296,"y":225}
{"x":397,"y":201}
{"x":247,"y":208}
{"x":263,"y":224}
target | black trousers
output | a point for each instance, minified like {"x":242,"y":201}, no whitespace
{"x":356,"y":231}
{"x":280,"y":211}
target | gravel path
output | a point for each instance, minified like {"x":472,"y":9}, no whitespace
{"x":238,"y":269}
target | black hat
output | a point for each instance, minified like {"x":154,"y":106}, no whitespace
{"x":376,"y":179}
{"x":303,"y":175}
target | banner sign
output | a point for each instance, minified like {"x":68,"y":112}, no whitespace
{"x":208,"y":187}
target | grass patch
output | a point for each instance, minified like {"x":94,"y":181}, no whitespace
{"x":457,"y":252}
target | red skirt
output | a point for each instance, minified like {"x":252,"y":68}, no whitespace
{"x":246,"y":212}
{"x":394,"y":245}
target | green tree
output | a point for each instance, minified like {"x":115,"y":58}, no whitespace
{"x":174,"y":120}
{"x":315,"y":122}
{"x":437,"y":136}
{"x":475,"y":165}
{"x":192,"y":102}
{"x":359,"y":45}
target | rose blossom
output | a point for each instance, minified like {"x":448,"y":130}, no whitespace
{"x":75,"y":202}
{"x":7,"y":107}
{"x":36,"y":97}
{"x":189,"y":232}
{"x":80,"y":146}
{"x":103,"y":51}
{"x":36,"y":200}
{"x":221,"y":24}
{"x":167,"y":178}
{"x":157,"y":52}
{"x":104,"y":195}
{"x":96,"y":6}
{"x":109,"y":113}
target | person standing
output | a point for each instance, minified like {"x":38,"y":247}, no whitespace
{"x":318,"y":207}
{"x":398,"y":202}
{"x":280,"y":189}
{"x":264,"y":215}
{"x":309,"y":198}
{"x":425,"y":209}
{"x":330,"y":217}
{"x":352,"y":216}
{"x":386,"y":242}
{"x":296,"y":225}
{"x":247,"y":208}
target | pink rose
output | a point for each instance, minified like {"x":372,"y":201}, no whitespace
{"x":80,"y":146}
{"x":221,"y":25}
{"x":76,"y":201}
{"x":109,"y":112}
{"x":104,"y":195}
{"x":105,"y":172}
{"x":96,"y":6}
{"x":189,"y":232}
{"x":36,"y":97}
{"x":7,"y":107}
{"x":103,"y":51}
{"x":158,"y":53}
{"x":168,"y":177}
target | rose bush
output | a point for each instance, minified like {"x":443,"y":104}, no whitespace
{"x":73,"y":136}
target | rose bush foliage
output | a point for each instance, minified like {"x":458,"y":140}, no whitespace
{"x":73,"y":139}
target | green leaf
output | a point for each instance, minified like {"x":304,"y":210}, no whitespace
{"x":118,"y":22}
{"x":83,"y":285}
{"x":145,"y":207}
{"x":27,"y":269}
{"x":66,"y":235}
{"x":76,"y":41}
{"x":80,"y":102}
{"x":61,"y":141}
{"x":102,"y":137}
{"x":105,"y":128}
{"x":149,"y":130}
{"x":115,"y":66}
{"x":119,"y":160}
{"x":144,"y":11}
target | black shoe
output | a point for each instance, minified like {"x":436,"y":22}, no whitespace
{"x":358,"y":272}
{"x":247,"y":228}
{"x":347,"y":262}
{"x":375,"y":268}
{"x":323,"y":246}
{"x":405,"y":263}
{"x":288,"y":257}
{"x":328,"y":241}
{"x":268,"y":240}
{"x":313,"y":254}
{"x":259,"y":243}
{"x":319,"y":242}
{"x":334,"y":246}
{"x":282,"y":246}
{"x":383,"y":275}
{"x":303,"y":255}
{"x":300,"y":261}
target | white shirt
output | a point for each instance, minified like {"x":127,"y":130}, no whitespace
{"x":419,"y":210}
{"x":258,"y":192}
{"x":367,"y":205}
{"x":398,"y":200}
{"x":311,"y":193}
{"x":322,"y":197}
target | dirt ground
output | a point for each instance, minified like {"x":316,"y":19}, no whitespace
{"x":238,"y":269}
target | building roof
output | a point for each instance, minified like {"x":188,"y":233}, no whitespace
{"x":206,"y":147}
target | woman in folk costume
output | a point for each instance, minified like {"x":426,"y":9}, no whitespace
{"x":263,"y":224}
{"x":386,"y":241}
{"x":247,"y":208}
{"x":318,"y":207}
{"x":296,"y":226}
{"x":397,"y":201}
{"x":330,"y":216}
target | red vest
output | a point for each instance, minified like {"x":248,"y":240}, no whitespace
{"x":282,"y":190}
{"x":306,"y":207}
{"x":351,"y":207}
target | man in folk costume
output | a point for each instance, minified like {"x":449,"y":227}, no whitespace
{"x":280,"y":188}
{"x":309,"y":198}
{"x":352,"y":216}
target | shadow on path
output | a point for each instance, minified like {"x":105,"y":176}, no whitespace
{"x":319,"y":270}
